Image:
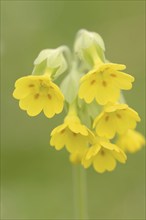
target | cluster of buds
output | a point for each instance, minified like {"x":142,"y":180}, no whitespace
{"x":99,"y":127}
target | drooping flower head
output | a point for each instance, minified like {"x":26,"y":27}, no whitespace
{"x":116,"y":118}
{"x":103,"y":155}
{"x":38,"y":93}
{"x":131,"y":141}
{"x":71,"y":134}
{"x":104,"y":83}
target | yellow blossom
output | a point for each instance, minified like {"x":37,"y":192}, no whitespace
{"x":38,"y":93}
{"x":72,"y":134}
{"x":131,"y":141}
{"x":103,"y":156}
{"x":104,"y":83}
{"x":115,"y":118}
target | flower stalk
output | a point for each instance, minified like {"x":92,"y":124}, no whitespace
{"x":80,"y":192}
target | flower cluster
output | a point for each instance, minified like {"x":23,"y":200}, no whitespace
{"x":99,"y":127}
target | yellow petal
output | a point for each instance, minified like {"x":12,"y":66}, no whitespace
{"x":124,"y":121}
{"x":53,"y":104}
{"x":113,"y":108}
{"x":58,"y":141}
{"x":123,"y":80}
{"x":75,"y":125}
{"x":58,"y":129}
{"x":92,"y":151}
{"x":86,"y":163}
{"x":120,"y":156}
{"x":49,"y":109}
{"x":115,"y":66}
{"x":131,"y":141}
{"x":97,"y":119}
{"x":106,"y":127}
{"x":75,"y":141}
{"x":23,"y":88}
{"x":133,"y":114}
{"x":83,"y":92}
{"x":78,"y":154}
{"x":21,"y":92}
{"x":32,"y":105}
{"x":88,"y":76}
{"x":107,"y":145}
{"x":78,"y":128}
{"x":107,"y":94}
{"x":23,"y":80}
{"x":88,"y":87}
{"x":105,"y":162}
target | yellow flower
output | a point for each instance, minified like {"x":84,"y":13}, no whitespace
{"x":37,"y":93}
{"x":72,"y":134}
{"x":104,"y":83}
{"x":115,"y":118}
{"x":131,"y":141}
{"x":103,"y":156}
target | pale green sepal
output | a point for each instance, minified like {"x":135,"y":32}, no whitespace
{"x":85,"y":118}
{"x":40,"y":69}
{"x":89,"y":45}
{"x":52,"y":61}
{"x":122,"y":99}
{"x":93,"y":109}
{"x":88,"y":112}
{"x":70,"y":85}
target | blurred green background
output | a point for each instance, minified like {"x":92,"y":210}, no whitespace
{"x":36,"y":179}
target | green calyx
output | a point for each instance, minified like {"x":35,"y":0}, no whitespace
{"x":89,"y":46}
{"x":53,"y":62}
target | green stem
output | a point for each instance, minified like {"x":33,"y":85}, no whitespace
{"x":80,"y":192}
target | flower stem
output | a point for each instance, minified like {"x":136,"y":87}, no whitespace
{"x":80,"y":192}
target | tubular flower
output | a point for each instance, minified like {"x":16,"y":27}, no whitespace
{"x":72,"y":134}
{"x":38,"y":93}
{"x":103,"y":156}
{"x":131,"y":141}
{"x":104,"y":83}
{"x":115,"y":118}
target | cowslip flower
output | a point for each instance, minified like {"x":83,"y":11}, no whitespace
{"x":103,"y":155}
{"x":104,"y":83}
{"x":131,"y":141}
{"x":116,"y":118}
{"x":38,"y":93}
{"x":72,"y":134}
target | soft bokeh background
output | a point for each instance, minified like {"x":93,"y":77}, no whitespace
{"x":37,"y":180}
